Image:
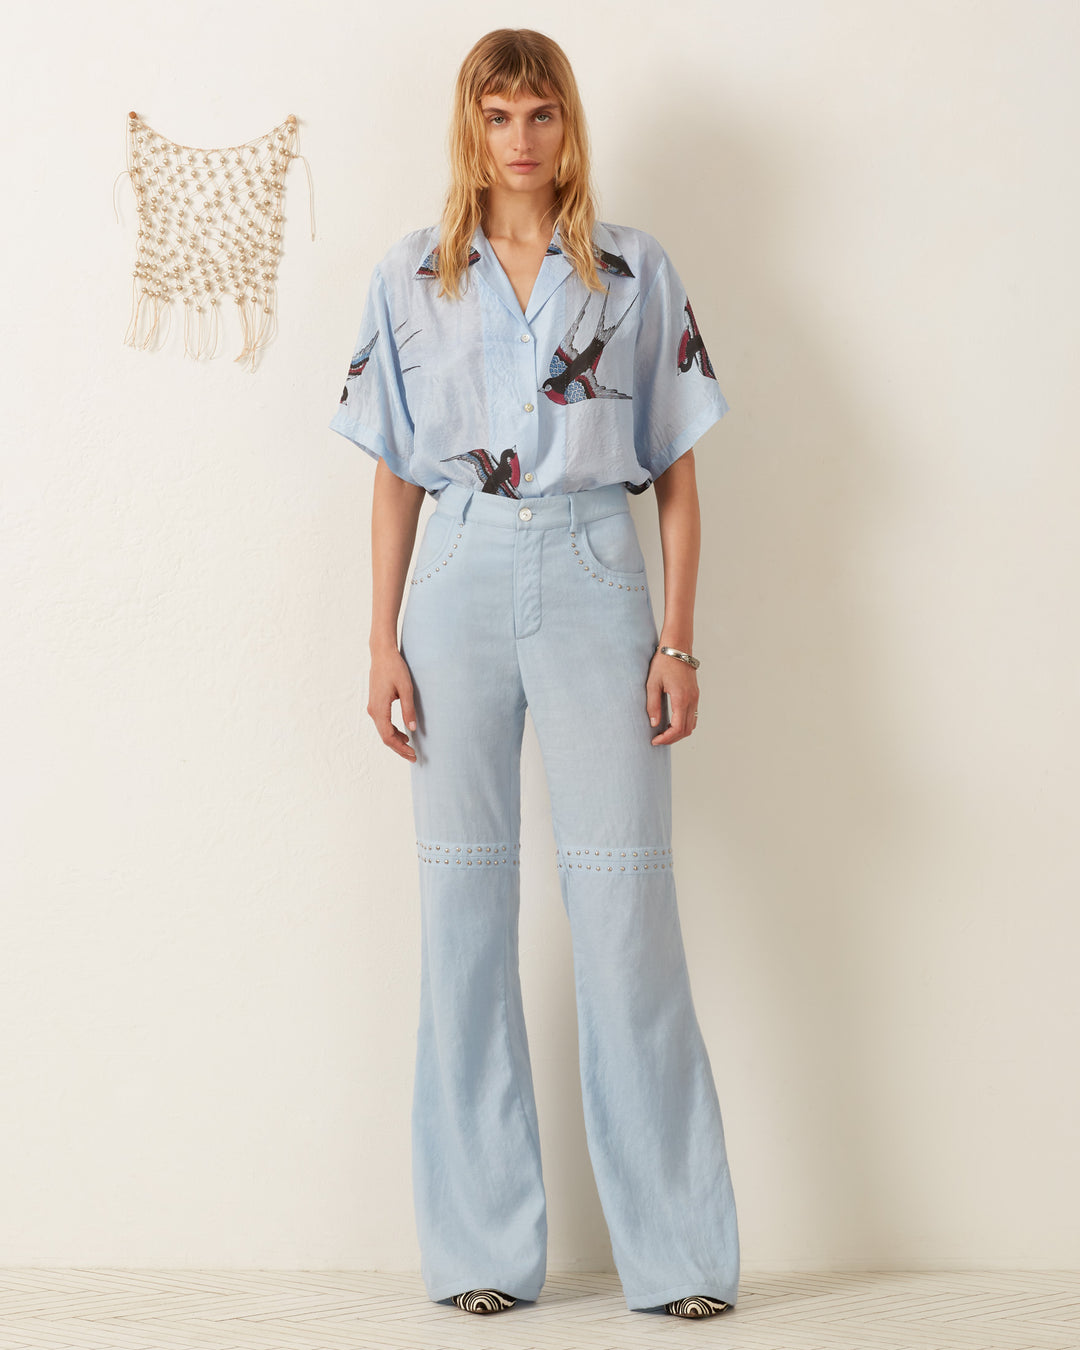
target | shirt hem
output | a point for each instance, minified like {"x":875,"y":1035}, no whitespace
{"x":370,"y":441}
{"x":674,"y":449}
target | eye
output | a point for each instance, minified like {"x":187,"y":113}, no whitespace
{"x":547,"y":115}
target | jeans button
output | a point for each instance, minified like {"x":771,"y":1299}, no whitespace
{"x":525,"y":513}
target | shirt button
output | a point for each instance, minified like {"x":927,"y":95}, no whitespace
{"x":528,"y":478}
{"x":525,"y":337}
{"x":528,"y":407}
{"x":525,"y":513}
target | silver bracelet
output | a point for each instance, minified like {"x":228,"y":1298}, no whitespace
{"x":683,"y":656}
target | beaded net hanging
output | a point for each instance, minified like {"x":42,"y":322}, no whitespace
{"x":209,"y":228}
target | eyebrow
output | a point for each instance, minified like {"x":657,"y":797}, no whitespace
{"x":494,"y":108}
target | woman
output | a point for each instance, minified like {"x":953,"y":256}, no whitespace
{"x":529,"y":366}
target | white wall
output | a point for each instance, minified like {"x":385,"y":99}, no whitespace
{"x":210,"y":921}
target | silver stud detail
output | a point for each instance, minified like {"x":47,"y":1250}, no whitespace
{"x":419,"y":581}
{"x":622,"y":585}
{"x":664,"y":853}
{"x":439,"y":853}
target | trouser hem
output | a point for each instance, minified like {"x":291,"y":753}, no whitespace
{"x":441,"y":1292}
{"x":657,"y":1299}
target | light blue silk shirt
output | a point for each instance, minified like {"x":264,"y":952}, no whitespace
{"x":582,"y":389}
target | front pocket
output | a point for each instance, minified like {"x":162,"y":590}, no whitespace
{"x":609,"y":548}
{"x":437,"y":547}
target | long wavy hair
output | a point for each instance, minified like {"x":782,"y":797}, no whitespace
{"x":510,"y":62}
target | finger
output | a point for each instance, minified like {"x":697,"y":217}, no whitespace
{"x":654,"y":701}
{"x":678,"y":719}
{"x":408,"y":707}
{"x":392,"y":737}
{"x":400,"y":744}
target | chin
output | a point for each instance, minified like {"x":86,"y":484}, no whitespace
{"x":529,"y":182}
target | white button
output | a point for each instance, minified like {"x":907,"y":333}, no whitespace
{"x":528,"y":478}
{"x":528,"y":407}
{"x":525,"y":513}
{"x":525,"y":337}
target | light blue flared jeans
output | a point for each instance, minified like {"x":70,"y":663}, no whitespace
{"x":544,"y":603}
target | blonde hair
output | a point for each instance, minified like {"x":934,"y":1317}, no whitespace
{"x":511,"y":62}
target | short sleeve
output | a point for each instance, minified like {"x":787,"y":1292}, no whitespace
{"x":373,"y":412}
{"x":676,"y":394}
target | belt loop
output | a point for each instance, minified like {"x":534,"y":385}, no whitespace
{"x":466,"y":499}
{"x":574,"y":512}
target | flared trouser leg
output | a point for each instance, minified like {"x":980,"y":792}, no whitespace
{"x":551,"y":610}
{"x":652,"y":1113}
{"x":477,"y":1179}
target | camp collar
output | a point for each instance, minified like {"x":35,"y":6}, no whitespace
{"x":605,"y":250}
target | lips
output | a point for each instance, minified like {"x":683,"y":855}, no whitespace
{"x":524,"y":163}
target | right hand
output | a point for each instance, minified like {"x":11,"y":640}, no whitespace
{"x":389,"y":680}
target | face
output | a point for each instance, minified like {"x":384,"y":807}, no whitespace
{"x":524,"y":137}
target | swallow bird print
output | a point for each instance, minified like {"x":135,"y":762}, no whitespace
{"x":691,"y":347}
{"x":403,"y":341}
{"x":501,"y":478}
{"x":572,"y":377}
{"x":357,"y":365}
{"x":610,"y":262}
{"x":430,"y":266}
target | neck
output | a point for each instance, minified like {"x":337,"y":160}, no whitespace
{"x":519,"y":216}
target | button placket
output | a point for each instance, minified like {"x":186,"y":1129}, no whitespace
{"x":529,"y":375}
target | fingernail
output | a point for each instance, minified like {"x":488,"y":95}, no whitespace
{"x":653,"y":721}
{"x":412,"y":726}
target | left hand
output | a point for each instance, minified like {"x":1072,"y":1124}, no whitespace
{"x":668,"y":675}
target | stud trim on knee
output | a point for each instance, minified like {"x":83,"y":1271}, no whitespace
{"x":468,"y":855}
{"x":614,"y":859}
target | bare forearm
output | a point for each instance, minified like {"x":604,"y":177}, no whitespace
{"x":680,"y":541}
{"x":395,"y":509}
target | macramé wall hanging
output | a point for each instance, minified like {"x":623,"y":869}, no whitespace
{"x":209,"y":227}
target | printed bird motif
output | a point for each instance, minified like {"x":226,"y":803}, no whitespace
{"x":572,"y":377}
{"x":501,"y":478}
{"x":610,"y":262}
{"x":357,"y":365}
{"x":692,"y":348}
{"x":430,"y":266}
{"x":403,"y":341}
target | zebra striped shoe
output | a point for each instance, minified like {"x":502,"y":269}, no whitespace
{"x":696,"y":1306}
{"x":484,"y":1301}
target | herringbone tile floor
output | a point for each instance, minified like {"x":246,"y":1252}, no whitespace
{"x":110,"y":1309}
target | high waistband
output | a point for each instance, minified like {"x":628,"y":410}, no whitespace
{"x":562,"y":508}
